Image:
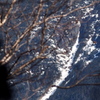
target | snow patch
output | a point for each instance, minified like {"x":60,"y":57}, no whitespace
{"x":89,"y":47}
{"x":64,"y":70}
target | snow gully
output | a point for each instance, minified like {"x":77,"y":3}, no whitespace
{"x":64,"y":73}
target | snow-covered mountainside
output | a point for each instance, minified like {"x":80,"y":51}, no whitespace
{"x":61,"y":43}
{"x":84,"y":60}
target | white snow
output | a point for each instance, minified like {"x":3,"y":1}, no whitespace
{"x":88,"y":62}
{"x":89,"y":47}
{"x":86,"y":2}
{"x":79,"y":58}
{"x":64,"y":72}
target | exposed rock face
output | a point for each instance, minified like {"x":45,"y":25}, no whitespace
{"x":86,"y":61}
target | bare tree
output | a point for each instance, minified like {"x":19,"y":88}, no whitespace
{"x":33,"y":33}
